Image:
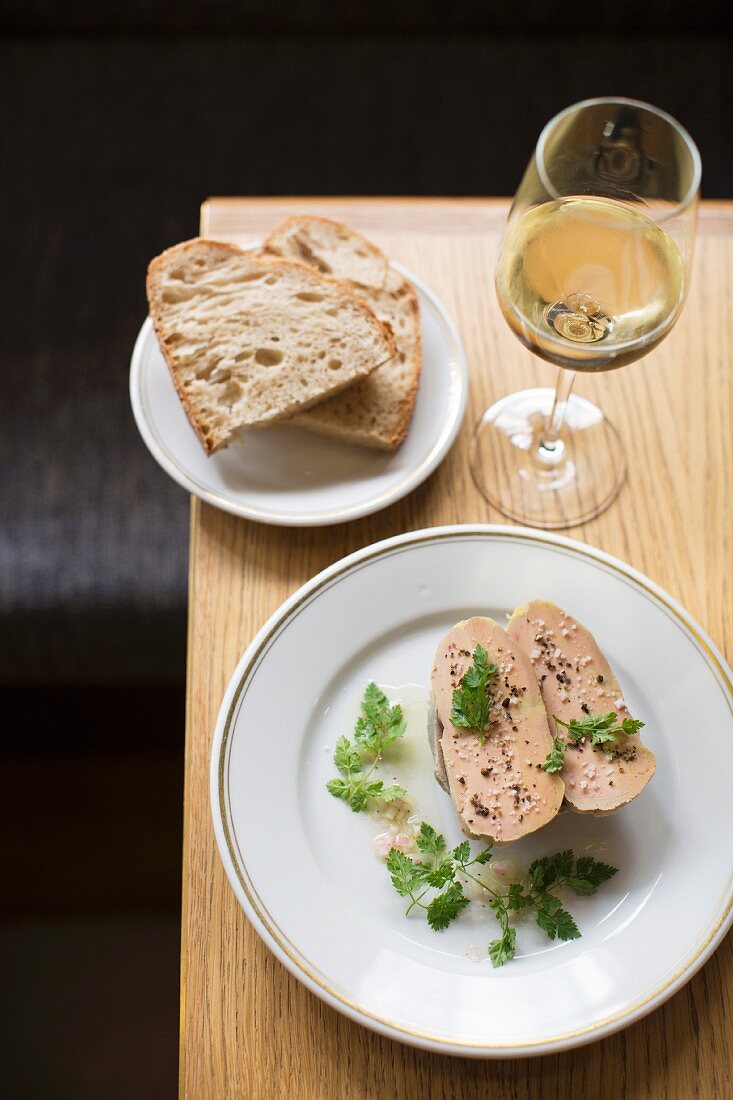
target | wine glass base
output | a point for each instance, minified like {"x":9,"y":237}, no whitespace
{"x":541,"y":486}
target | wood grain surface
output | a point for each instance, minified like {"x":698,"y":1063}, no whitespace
{"x":250,"y":1030}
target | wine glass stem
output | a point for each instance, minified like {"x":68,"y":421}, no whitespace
{"x":551,"y":445}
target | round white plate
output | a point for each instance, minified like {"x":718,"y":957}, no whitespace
{"x":301,"y":862}
{"x":291,"y":477}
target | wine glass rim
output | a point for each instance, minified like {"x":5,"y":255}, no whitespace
{"x":625,"y":102}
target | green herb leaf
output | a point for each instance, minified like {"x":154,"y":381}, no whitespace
{"x":445,"y":907}
{"x":503,"y":949}
{"x":430,"y":842}
{"x":580,"y":886}
{"x":554,"y":919}
{"x":471,"y":703}
{"x":416,"y":880}
{"x":545,"y":872}
{"x":392,"y":793}
{"x":339,"y":788}
{"x":440,"y":874}
{"x":600,"y":729}
{"x":516,"y":898}
{"x":378,"y":726}
{"x":462,"y":853}
{"x":404,"y":873}
{"x":593,"y":871}
{"x":556,"y":758}
{"x":441,"y":867}
{"x":346,"y":758}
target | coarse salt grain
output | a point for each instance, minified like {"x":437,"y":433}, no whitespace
{"x":584,"y":784}
{"x":534,"y":654}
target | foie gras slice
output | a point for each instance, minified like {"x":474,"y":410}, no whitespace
{"x":577,"y":680}
{"x":498,"y":788}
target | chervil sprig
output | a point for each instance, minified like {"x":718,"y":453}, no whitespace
{"x":442,"y":870}
{"x":582,"y":875}
{"x":471,"y":702}
{"x":378,"y":726}
{"x":505,"y":947}
{"x":600,"y":729}
{"x":416,"y":879}
{"x":603,"y":731}
{"x":556,"y":758}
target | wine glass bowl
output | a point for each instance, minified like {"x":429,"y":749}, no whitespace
{"x":592,"y":274}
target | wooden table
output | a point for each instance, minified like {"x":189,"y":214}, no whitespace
{"x":250,"y":1030}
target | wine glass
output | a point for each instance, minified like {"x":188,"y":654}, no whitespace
{"x":592,"y":273}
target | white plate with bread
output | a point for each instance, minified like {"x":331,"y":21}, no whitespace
{"x":647,"y":823}
{"x":305,"y":382}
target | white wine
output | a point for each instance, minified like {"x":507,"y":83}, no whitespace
{"x":589,"y":283}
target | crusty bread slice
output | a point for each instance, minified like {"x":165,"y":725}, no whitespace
{"x":250,"y":340}
{"x":332,"y":248}
{"x":377,"y":411}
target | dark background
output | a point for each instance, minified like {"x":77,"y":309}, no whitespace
{"x":117,"y":120}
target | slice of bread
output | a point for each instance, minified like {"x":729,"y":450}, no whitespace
{"x":332,"y":248}
{"x":250,"y":340}
{"x":376,"y":412}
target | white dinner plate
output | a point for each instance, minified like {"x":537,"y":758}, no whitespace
{"x":301,"y":863}
{"x":291,"y":477}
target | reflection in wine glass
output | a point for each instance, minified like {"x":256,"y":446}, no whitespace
{"x":592,"y":274}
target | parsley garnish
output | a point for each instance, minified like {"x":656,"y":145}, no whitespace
{"x":602,"y":730}
{"x":416,"y":879}
{"x":471,"y":704}
{"x":378,"y":726}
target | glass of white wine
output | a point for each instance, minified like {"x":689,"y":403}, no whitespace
{"x":592,"y":273}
